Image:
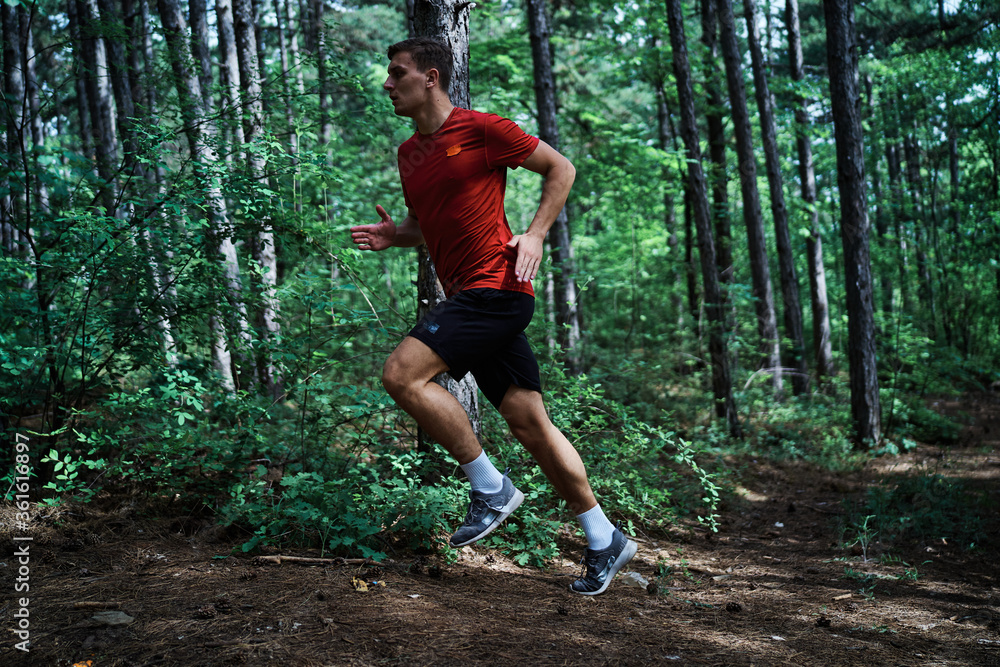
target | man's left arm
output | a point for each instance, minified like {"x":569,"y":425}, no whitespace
{"x":558,"y":174}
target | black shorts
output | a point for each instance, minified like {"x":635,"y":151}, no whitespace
{"x":481,"y":331}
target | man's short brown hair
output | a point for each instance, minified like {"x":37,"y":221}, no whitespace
{"x":427,"y":53}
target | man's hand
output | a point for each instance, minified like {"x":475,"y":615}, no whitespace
{"x":375,"y":237}
{"x":529,"y":256}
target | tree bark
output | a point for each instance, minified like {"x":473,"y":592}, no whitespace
{"x":567,"y":312}
{"x":86,"y":130}
{"x":262,"y":246}
{"x":220,"y":244}
{"x":15,"y":200}
{"x":822,"y":346}
{"x":198,"y":12}
{"x":668,"y":140}
{"x":318,"y":8}
{"x":901,"y":248}
{"x":921,"y":225}
{"x":33,"y":106}
{"x":718,"y":174}
{"x":722,"y":385}
{"x":760,"y":272}
{"x":102,"y":108}
{"x":842,"y":61}
{"x":448,"y":21}
{"x":786,"y":261}
{"x":229,"y":70}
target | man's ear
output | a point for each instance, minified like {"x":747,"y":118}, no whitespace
{"x":433,"y":77}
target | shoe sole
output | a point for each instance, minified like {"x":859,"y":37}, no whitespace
{"x":508,"y":509}
{"x":628,"y":553}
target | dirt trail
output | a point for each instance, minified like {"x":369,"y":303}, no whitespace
{"x":774,"y":587}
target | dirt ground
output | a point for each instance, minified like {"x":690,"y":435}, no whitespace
{"x":775,"y":586}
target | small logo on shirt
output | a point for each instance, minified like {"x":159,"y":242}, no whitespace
{"x":453,"y":150}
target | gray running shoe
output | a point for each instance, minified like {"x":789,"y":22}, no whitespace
{"x":602,"y":566}
{"x":486,"y":513}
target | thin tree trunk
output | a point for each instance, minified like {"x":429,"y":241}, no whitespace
{"x":229,"y":71}
{"x":901,"y":248}
{"x":567,"y":313}
{"x":718,"y":174}
{"x":293,"y":47}
{"x":200,"y":50}
{"x":760,"y":272}
{"x":691,"y":272}
{"x":102,"y":108}
{"x":86,"y":129}
{"x":722,"y":384}
{"x":920,"y":218}
{"x":319,"y":38}
{"x":262,"y":247}
{"x":448,"y":21}
{"x":15,"y":204}
{"x":34,"y":120}
{"x":842,"y":61}
{"x":203,"y":153}
{"x":668,"y":140}
{"x":786,"y":261}
{"x":822,"y":346}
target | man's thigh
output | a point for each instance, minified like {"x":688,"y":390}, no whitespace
{"x":413,"y":360}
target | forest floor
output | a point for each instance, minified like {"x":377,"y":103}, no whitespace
{"x":775,"y":586}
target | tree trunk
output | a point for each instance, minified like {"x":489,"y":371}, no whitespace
{"x":842,"y":61}
{"x":718,"y":176}
{"x":822,"y":346}
{"x":102,"y":108}
{"x":691,"y":272}
{"x":229,"y":71}
{"x":262,"y":247}
{"x":15,"y":199}
{"x":722,"y":385}
{"x":668,"y":141}
{"x":199,"y":47}
{"x":86,"y":130}
{"x":921,"y":225}
{"x":786,"y":261}
{"x":285,"y":35}
{"x":31,"y":88}
{"x":901,"y":248}
{"x":760,"y":271}
{"x":567,"y":313}
{"x":319,"y":39}
{"x":448,"y":21}
{"x":203,"y":154}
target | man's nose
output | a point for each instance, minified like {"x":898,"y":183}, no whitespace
{"x":388,"y":84}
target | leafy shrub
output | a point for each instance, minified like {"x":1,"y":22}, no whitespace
{"x":353,"y":513}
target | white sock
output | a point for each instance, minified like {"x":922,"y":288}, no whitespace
{"x":598,"y":529}
{"x":483,"y":475}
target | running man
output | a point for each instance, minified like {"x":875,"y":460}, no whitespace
{"x":453,"y":173}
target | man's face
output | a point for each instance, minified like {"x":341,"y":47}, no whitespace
{"x":406,"y":85}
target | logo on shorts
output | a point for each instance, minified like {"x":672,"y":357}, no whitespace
{"x":432,"y":327}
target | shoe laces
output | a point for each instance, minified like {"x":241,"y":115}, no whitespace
{"x":590,"y":561}
{"x":477,"y":509}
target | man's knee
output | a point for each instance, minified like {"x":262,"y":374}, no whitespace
{"x":526,"y":417}
{"x":393,"y":378}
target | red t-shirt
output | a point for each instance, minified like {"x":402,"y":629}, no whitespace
{"x":454,"y":181}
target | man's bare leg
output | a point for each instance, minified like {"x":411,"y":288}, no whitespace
{"x":524,"y":411}
{"x":408,"y":376}
{"x":609,"y":550}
